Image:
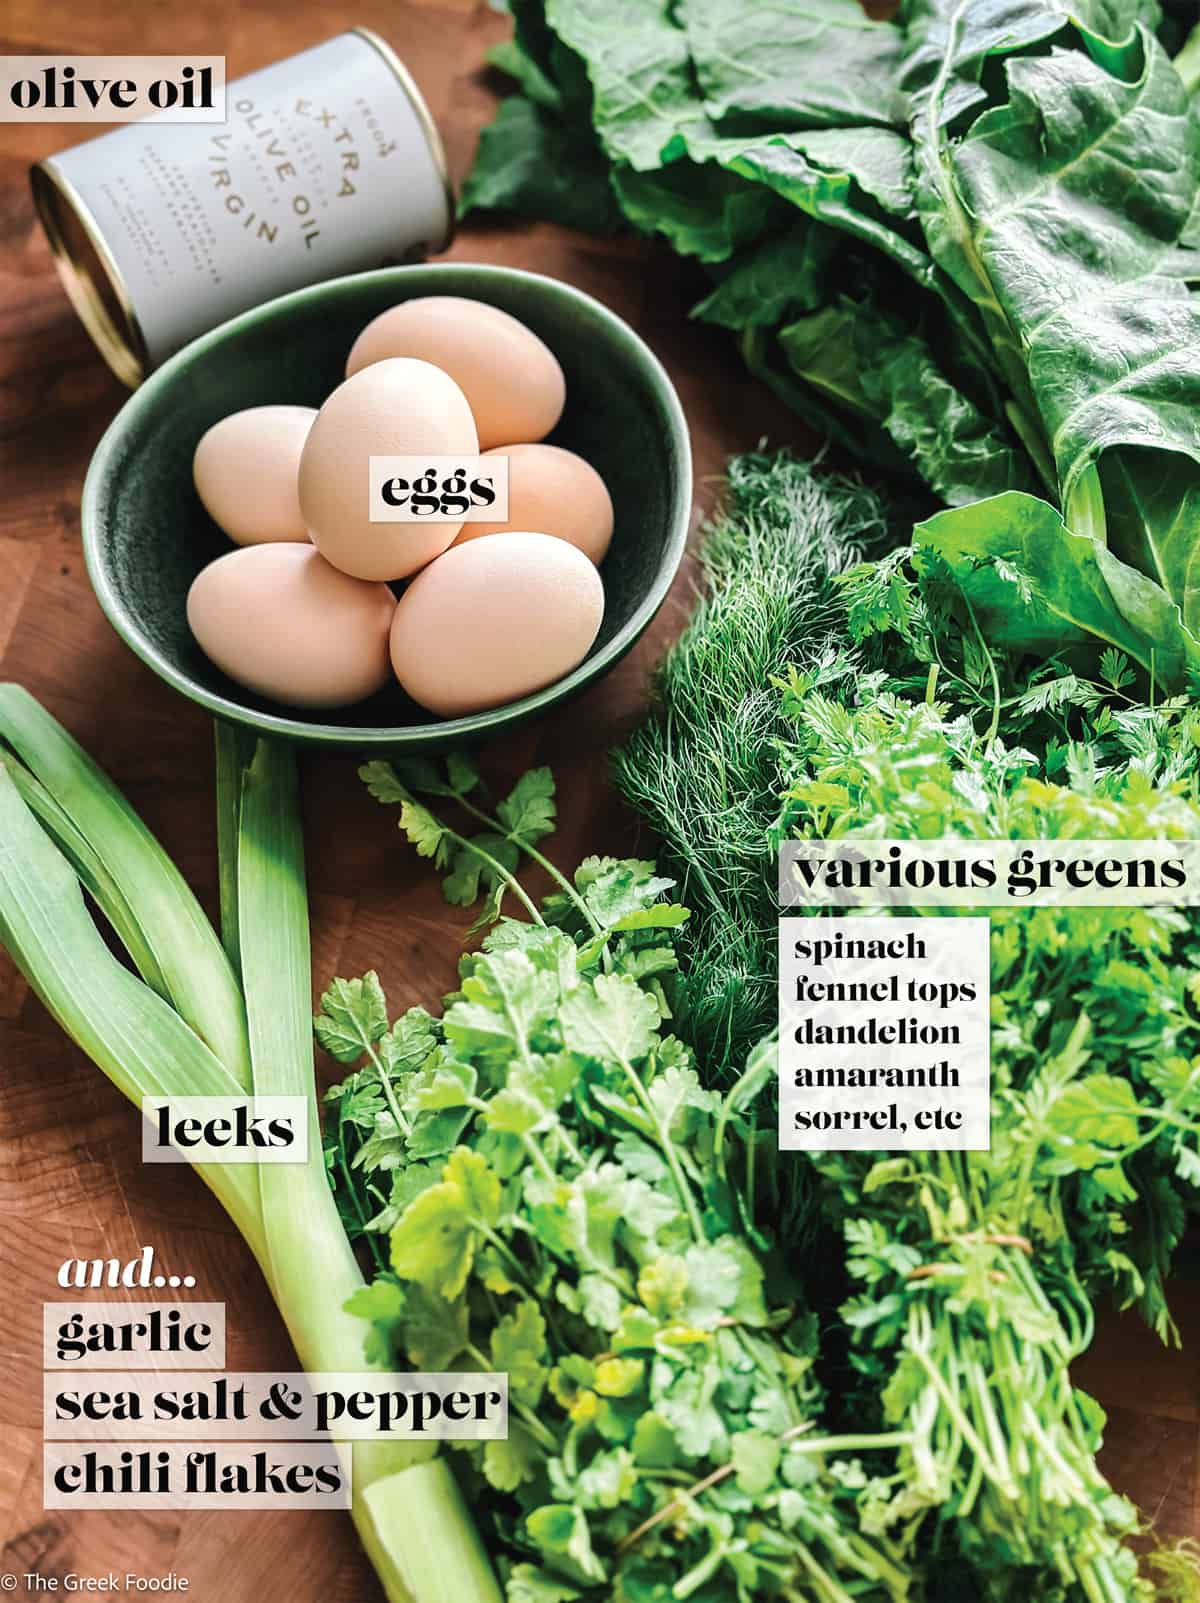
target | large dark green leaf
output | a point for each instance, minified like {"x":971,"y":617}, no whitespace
{"x":644,"y":98}
{"x":777,"y":278}
{"x":528,"y":164}
{"x":837,"y":187}
{"x":1035,"y":586}
{"x":1074,"y":192}
{"x":866,"y":363}
{"x":951,"y":44}
{"x":703,"y":209}
{"x":795,"y":64}
{"x":959,"y":451}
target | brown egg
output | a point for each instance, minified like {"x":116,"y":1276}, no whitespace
{"x":556,"y":492}
{"x":280,"y":620}
{"x":398,"y":407}
{"x":510,"y":377}
{"x":245,"y":469}
{"x":495,"y":620}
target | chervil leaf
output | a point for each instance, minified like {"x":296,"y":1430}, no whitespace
{"x":423,"y":831}
{"x":506,"y":1001}
{"x":409,"y":1042}
{"x":599,"y":1302}
{"x":1090,"y":1122}
{"x":470,"y":869}
{"x":674,"y":1092}
{"x":562,"y":1534}
{"x":462,"y":772}
{"x":382,"y":780}
{"x":755,"y":1458}
{"x":661,"y":916}
{"x":724,"y":1281}
{"x":508,"y":1464}
{"x":615,"y":889}
{"x":611,"y":1019}
{"x":380,"y":1300}
{"x":385,"y":1148}
{"x":527,"y":812}
{"x":433,"y":1331}
{"x":353,"y":1017}
{"x":514,"y":1112}
{"x":436,"y":1237}
{"x":518,"y":1347}
{"x":443,"y":1083}
{"x":529,"y":1585}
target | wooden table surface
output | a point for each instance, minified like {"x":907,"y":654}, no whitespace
{"x":71,"y":1181}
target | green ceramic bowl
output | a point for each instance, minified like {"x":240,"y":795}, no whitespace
{"x":146,"y":535}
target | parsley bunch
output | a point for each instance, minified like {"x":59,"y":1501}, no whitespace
{"x":551,"y":1192}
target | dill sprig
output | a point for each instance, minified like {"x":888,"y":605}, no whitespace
{"x":704,"y":770}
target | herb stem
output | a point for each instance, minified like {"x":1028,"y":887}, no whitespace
{"x":370,"y":1237}
{"x":541,"y":1434}
{"x":502,"y":873}
{"x":667,"y":1146}
{"x":402,"y":1123}
{"x":538,"y":857}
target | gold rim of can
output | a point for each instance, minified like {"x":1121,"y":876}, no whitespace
{"x":425,"y":117}
{"x":102,"y":303}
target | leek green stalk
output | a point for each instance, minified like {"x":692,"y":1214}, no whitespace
{"x":408,"y":1508}
{"x":216,"y":1017}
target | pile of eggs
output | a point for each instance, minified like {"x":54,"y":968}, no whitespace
{"x":304,"y":611}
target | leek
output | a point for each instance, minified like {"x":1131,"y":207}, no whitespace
{"x":426,"y":1546}
{"x":216,"y":1016}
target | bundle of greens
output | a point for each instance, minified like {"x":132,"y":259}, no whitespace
{"x":961,"y":243}
{"x":567,"y":1204}
{"x":978,"y":1270}
{"x":193,"y":1017}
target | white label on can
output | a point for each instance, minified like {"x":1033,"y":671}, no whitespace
{"x":323,"y":166}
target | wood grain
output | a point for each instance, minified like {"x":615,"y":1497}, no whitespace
{"x":71,"y":1183}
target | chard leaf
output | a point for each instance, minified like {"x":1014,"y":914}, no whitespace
{"x":1035,"y":586}
{"x":841,"y":193}
{"x":703,"y":210}
{"x":958,"y":450}
{"x":1057,"y":213}
{"x":774,"y":279}
{"x":511,"y":58}
{"x":643,"y":99}
{"x":527,"y":163}
{"x":813,"y":64}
